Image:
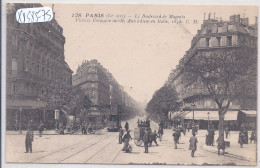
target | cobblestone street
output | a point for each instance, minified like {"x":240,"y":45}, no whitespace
{"x":104,"y":148}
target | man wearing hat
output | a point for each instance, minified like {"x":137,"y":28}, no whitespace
{"x":193,"y":144}
{"x":175,"y":138}
{"x":28,"y":140}
{"x":146,"y":141}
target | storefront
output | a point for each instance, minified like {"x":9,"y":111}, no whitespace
{"x":206,"y":118}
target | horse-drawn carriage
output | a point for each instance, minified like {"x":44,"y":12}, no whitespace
{"x":139,"y":132}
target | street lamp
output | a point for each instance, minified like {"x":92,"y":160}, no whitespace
{"x":208,"y":119}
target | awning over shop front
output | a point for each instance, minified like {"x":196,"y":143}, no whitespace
{"x":202,"y":115}
{"x":213,"y":115}
{"x":250,"y":113}
{"x":231,"y":115}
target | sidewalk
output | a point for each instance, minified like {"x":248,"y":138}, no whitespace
{"x":36,"y":132}
{"x":247,"y":153}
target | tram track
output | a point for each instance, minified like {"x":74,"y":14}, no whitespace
{"x":113,"y":140}
{"x":71,"y":147}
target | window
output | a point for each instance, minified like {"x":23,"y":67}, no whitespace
{"x":218,"y":41}
{"x":14,"y":64}
{"x":43,"y":70}
{"x":38,"y":68}
{"x":230,"y":27}
{"x":208,"y":31}
{"x":220,"y":29}
{"x":207,"y":42}
{"x":229,"y":40}
{"x":13,"y":89}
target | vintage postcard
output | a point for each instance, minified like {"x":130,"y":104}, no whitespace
{"x":131,"y":84}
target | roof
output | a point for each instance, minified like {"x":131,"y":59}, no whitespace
{"x":213,"y":115}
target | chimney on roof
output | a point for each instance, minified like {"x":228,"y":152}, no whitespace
{"x":244,"y":21}
{"x":235,"y":18}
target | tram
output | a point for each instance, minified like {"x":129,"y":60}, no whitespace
{"x":113,"y":123}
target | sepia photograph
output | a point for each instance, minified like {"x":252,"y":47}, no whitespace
{"x":130,"y":84}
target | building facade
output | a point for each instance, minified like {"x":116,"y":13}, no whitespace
{"x":214,"y":35}
{"x":34,"y":63}
{"x":104,"y":91}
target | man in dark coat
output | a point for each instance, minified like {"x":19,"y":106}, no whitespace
{"x":211,"y":136}
{"x":193,"y":144}
{"x":146,"y":141}
{"x":241,"y":139}
{"x":175,"y":138}
{"x":28,"y":140}
{"x":126,"y":126}
{"x":84,"y":127}
{"x":126,"y":139}
{"x":154,"y":135}
{"x":178,"y":131}
{"x":160,"y":132}
{"x":253,"y":137}
{"x":121,"y":133}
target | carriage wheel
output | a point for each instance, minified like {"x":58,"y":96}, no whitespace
{"x":138,"y":142}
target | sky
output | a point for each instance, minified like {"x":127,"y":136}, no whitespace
{"x":140,"y":56}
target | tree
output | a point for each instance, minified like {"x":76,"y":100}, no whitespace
{"x":226,"y":74}
{"x":164,"y":100}
{"x":72,"y":99}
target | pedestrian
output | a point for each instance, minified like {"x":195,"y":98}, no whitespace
{"x":193,"y":144}
{"x":193,"y":129}
{"x":126,"y":126}
{"x":84,"y":127}
{"x":178,"y":131}
{"x":211,"y":136}
{"x":241,"y":138}
{"x":126,"y":139}
{"x":184,"y":129}
{"x":121,"y":133}
{"x":29,"y":140}
{"x":146,"y":141}
{"x":154,"y":135}
{"x":246,"y":136}
{"x":160,"y":132}
{"x":221,"y":144}
{"x":175,"y":138}
{"x":188,"y":126}
{"x":227,"y":132}
{"x":61,"y":129}
{"x":41,"y":127}
{"x":253,"y":137}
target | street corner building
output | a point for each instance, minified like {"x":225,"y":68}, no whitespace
{"x":217,"y":35}
{"x":35,"y":62}
{"x":106,"y":94}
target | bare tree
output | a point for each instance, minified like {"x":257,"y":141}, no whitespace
{"x":226,"y":75}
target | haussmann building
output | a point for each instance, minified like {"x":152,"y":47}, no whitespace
{"x":215,"y":35}
{"x":34,"y":62}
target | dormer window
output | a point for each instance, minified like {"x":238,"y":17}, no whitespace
{"x":229,"y":40}
{"x":218,"y":41}
{"x":207,"y":42}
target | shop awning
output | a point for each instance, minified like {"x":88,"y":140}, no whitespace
{"x":213,"y":115}
{"x":231,"y":115}
{"x":202,"y":115}
{"x":250,"y":113}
